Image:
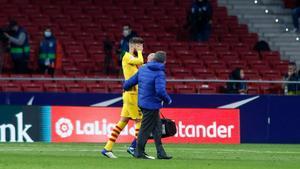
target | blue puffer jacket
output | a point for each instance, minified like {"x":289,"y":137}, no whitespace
{"x":152,"y":86}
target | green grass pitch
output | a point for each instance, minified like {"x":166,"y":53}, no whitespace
{"x":186,"y":156}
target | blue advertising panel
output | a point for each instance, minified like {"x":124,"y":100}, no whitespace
{"x":263,"y":118}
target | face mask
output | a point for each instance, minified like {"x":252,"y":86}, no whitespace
{"x":47,"y":34}
{"x":15,"y":29}
{"x":125,"y":33}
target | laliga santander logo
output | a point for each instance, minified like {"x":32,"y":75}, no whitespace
{"x":64,"y":127}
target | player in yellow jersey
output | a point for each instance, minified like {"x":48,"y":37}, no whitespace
{"x":130,"y":111}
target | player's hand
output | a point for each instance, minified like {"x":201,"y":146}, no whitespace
{"x":139,"y":48}
{"x":6,"y":35}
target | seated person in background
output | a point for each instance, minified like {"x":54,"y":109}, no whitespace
{"x":49,"y":52}
{"x":200,"y":20}
{"x":290,"y":88}
{"x":296,"y":15}
{"x":19,"y":46}
{"x":237,"y":87}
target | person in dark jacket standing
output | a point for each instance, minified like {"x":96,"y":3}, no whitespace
{"x":19,"y":47}
{"x":295,"y":16}
{"x":47,"y":53}
{"x":151,"y":96}
{"x":128,"y":34}
{"x":200,"y":20}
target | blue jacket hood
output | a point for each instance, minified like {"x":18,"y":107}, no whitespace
{"x":156,"y":66}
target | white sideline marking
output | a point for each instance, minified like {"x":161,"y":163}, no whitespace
{"x":238,"y":103}
{"x":107,"y":102}
{"x":29,"y":103}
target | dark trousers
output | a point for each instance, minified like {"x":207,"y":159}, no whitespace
{"x":201,"y":34}
{"x":46,"y":69}
{"x":295,"y":17}
{"x":151,"y":123}
{"x":20,"y":65}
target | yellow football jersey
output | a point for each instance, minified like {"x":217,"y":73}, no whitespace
{"x":130,"y":64}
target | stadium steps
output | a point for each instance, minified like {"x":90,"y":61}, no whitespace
{"x":264,"y":24}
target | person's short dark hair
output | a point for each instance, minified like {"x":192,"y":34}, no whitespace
{"x":12,"y":23}
{"x":292,"y":64}
{"x":160,"y":56}
{"x":136,"y":40}
{"x":127,"y":25}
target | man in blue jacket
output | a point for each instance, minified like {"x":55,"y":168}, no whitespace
{"x":152,"y":94}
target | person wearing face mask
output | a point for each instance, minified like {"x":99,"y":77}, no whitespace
{"x":128,"y":34}
{"x":200,"y":20}
{"x":47,"y":53}
{"x":19,"y":47}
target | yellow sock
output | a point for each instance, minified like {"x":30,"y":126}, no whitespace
{"x":137,"y":128}
{"x":114,"y":135}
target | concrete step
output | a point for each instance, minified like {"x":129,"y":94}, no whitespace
{"x":264,"y":24}
{"x":290,"y":48}
{"x":281,"y":43}
{"x":290,"y":54}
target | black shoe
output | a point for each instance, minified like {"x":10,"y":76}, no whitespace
{"x":145,"y":156}
{"x":166,"y":157}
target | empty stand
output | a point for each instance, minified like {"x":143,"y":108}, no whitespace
{"x":81,"y":26}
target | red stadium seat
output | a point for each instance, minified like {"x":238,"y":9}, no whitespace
{"x":11,"y":87}
{"x":159,"y":46}
{"x":54,"y":88}
{"x":180,"y":73}
{"x":232,"y":64}
{"x":179,"y":46}
{"x":193,"y":63}
{"x":226,"y":56}
{"x":199,"y":48}
{"x":206,"y":89}
{"x":76,"y":88}
{"x":259,"y":65}
{"x":241,"y":29}
{"x":271,"y":56}
{"x":184,"y":89}
{"x":115,"y":88}
{"x":250,"y":56}
{"x":185,"y":54}
{"x":97,"y":88}
{"x":215,"y":64}
{"x":166,"y":37}
{"x":202,"y":73}
{"x":207,"y":56}
{"x":33,"y":87}
{"x":240,"y":47}
{"x":271,"y":75}
{"x":229,"y":39}
{"x":281,"y":65}
{"x":253,"y":90}
{"x":220,"y":47}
